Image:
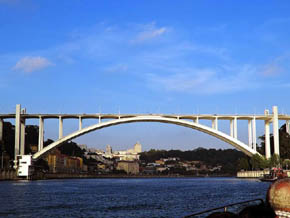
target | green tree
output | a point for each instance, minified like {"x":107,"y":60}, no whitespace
{"x":258,"y":162}
{"x":243,"y":164}
{"x":286,"y":164}
{"x":275,"y":161}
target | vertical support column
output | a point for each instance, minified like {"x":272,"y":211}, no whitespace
{"x":22,"y":140}
{"x":213,"y":124}
{"x":17,"y":131}
{"x":287,"y":126}
{"x":197,"y":120}
{"x":250,"y":133}
{"x":267,"y":139}
{"x":40,"y":134}
{"x":1,"y":129}
{"x":216,"y":123}
{"x":231,"y":128}
{"x":60,"y":128}
{"x":235,"y":128}
{"x":276,"y":130}
{"x":80,"y":123}
{"x":99,"y":118}
{"x":254,"y":134}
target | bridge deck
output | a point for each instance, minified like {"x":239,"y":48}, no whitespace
{"x":117,"y":116}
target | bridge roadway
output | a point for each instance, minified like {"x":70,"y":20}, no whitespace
{"x":176,"y":116}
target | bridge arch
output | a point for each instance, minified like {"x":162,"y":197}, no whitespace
{"x":150,"y":118}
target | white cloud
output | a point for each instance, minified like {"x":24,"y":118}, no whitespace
{"x":276,"y":67}
{"x":271,"y":70}
{"x":207,"y":81}
{"x":150,"y":32}
{"x":31,"y":64}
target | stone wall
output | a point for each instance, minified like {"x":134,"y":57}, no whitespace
{"x":8,"y":175}
{"x":252,"y":174}
{"x":256,"y":174}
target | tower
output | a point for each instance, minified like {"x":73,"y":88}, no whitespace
{"x":137,"y":148}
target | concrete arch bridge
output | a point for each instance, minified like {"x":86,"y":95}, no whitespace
{"x":189,"y":121}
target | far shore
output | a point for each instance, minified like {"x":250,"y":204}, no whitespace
{"x":113,"y":176}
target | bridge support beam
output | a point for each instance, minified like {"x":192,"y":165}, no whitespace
{"x":267,"y":140}
{"x":235,"y":128}
{"x":60,"y":128}
{"x":250,"y":133}
{"x":40,"y":134}
{"x":22,"y":140}
{"x":80,"y":123}
{"x":17,"y":132}
{"x":254,"y":134}
{"x":1,"y":129}
{"x":197,"y":120}
{"x":215,"y":123}
{"x":276,"y":130}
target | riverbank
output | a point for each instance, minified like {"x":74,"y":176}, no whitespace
{"x":11,"y":175}
{"x":256,"y":173}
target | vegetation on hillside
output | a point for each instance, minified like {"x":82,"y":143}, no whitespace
{"x":226,"y":158}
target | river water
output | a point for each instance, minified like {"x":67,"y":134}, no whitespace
{"x":154,"y":197}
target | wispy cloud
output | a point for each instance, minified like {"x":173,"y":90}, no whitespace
{"x":31,"y":64}
{"x":276,"y":66}
{"x":271,"y":70}
{"x":149,"y":32}
{"x":206,"y":81}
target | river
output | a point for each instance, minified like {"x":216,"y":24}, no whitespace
{"x":150,"y":197}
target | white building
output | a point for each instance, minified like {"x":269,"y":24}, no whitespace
{"x":25,"y":167}
{"x":130,"y":154}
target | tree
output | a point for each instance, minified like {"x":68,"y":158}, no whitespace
{"x":243,"y":164}
{"x":258,"y":162}
{"x":286,"y":164}
{"x":275,"y":161}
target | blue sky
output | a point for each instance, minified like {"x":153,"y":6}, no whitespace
{"x":199,"y":56}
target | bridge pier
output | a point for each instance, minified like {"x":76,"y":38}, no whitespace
{"x":60,"y":128}
{"x":235,"y":128}
{"x":276,"y":130}
{"x":17,"y":131}
{"x":80,"y":123}
{"x":254,"y":134}
{"x":215,"y":123}
{"x":231,"y":128}
{"x":250,"y":137}
{"x":267,"y":139}
{"x":40,"y":134}
{"x":22,"y":137}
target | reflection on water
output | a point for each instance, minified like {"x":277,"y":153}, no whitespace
{"x":157,"y":197}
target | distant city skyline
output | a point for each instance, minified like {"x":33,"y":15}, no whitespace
{"x":201,"y":56}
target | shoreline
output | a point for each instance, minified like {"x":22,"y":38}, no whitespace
{"x":112,"y":176}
